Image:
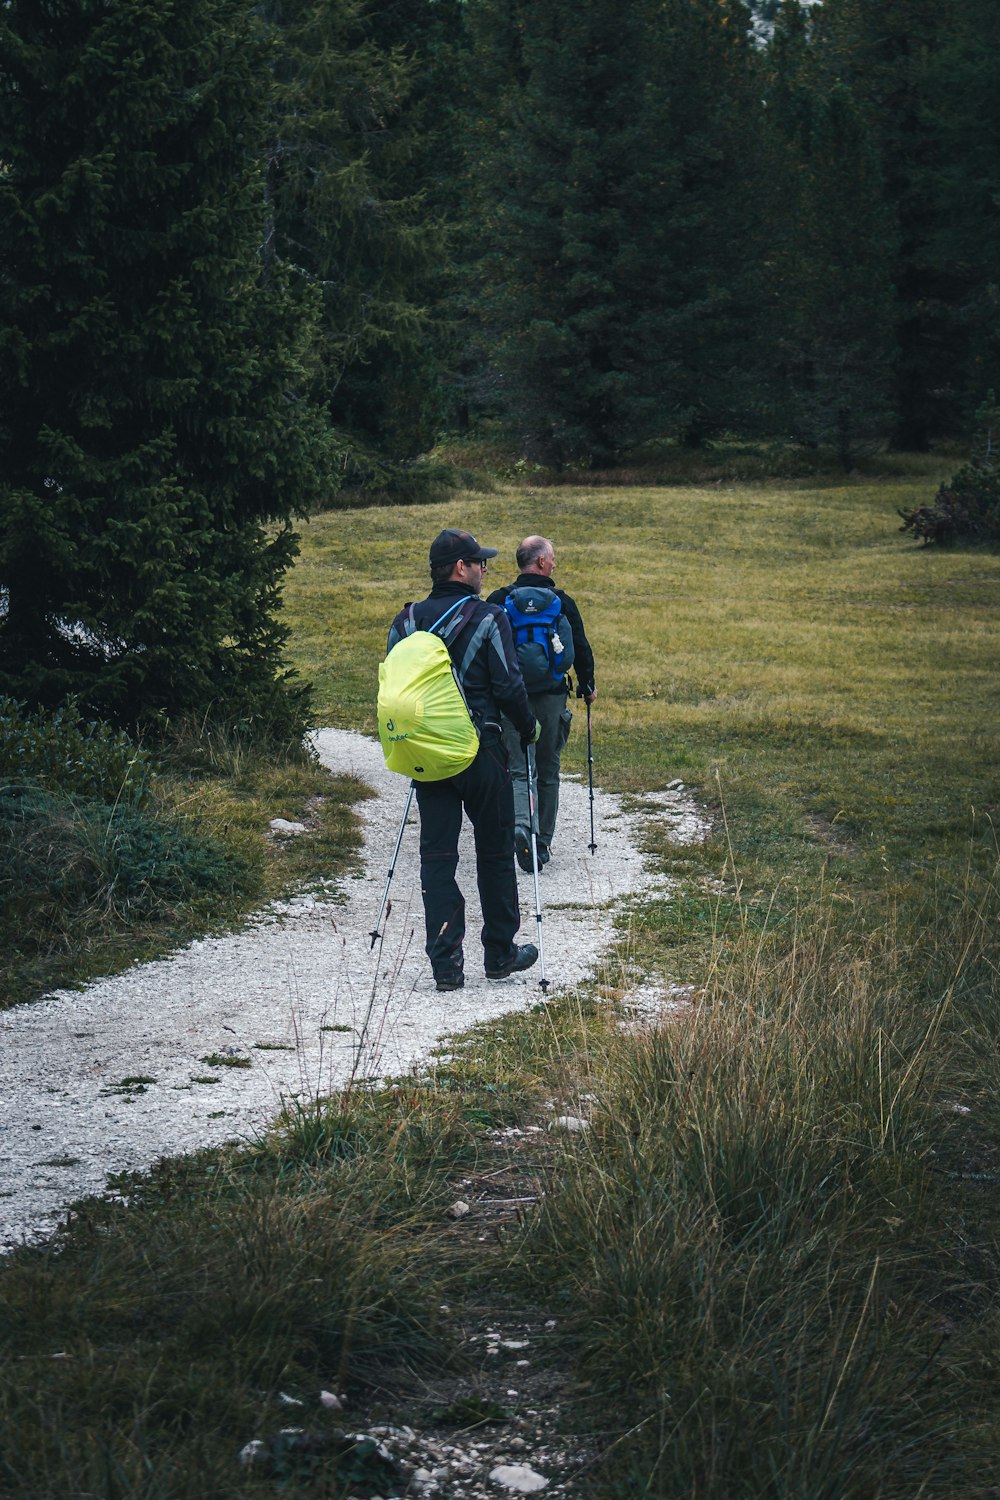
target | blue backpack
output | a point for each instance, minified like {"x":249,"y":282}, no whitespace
{"x":542,"y":636}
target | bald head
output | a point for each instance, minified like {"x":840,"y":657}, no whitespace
{"x":535,"y":555}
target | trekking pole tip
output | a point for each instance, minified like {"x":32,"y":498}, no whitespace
{"x":374,"y":937}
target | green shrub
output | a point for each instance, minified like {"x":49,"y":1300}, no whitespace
{"x":84,"y":883}
{"x":967,"y":506}
{"x":420,"y":483}
{"x":87,"y":856}
{"x":67,"y":753}
{"x":373,"y":478}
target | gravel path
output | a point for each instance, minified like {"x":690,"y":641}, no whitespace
{"x":290,"y":994}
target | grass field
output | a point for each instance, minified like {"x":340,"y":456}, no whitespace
{"x":772,"y":1259}
{"x":781,"y":647}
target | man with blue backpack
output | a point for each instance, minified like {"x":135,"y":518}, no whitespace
{"x":485,"y":667}
{"x":550,"y":639}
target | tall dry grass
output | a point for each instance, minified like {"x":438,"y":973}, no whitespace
{"x":764,"y":1232}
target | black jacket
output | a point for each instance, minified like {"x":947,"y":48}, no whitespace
{"x":482,"y":652}
{"x":583,"y":659}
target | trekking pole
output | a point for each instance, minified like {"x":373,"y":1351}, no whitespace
{"x":529,"y":760}
{"x":590,"y":772}
{"x":375,"y":934}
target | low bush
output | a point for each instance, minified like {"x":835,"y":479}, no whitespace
{"x":65,"y":752}
{"x":967,"y":506}
{"x":108,"y":854}
{"x":89,"y":856}
{"x":373,"y":480}
{"x":76,"y":873}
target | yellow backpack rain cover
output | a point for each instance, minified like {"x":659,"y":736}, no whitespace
{"x":424,"y":724}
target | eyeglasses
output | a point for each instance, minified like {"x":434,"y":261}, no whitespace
{"x":475,"y":562}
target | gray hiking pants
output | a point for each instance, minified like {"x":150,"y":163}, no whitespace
{"x":551,"y":712}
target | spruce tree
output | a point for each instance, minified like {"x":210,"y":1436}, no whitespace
{"x":963,"y":112}
{"x":888,"y":53}
{"x":609,"y":187}
{"x":155,"y":441}
{"x":347,"y":191}
{"x":432,"y":37}
{"x":830,"y":302}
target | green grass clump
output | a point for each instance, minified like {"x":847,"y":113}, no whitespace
{"x":308,"y":1262}
{"x":87,"y":885}
{"x":77,"y":877}
{"x":135,"y":1083}
{"x":758,"y":1244}
{"x":72,"y":755}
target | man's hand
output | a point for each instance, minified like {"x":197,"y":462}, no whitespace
{"x":588,"y":694}
{"x":533,"y":737}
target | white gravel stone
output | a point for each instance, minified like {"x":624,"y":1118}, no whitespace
{"x":301,"y":973}
{"x":520,"y":1478}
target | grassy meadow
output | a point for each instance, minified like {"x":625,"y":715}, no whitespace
{"x":771,"y":1263}
{"x":779,"y":647}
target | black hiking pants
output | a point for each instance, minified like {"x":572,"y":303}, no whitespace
{"x":484,"y":791}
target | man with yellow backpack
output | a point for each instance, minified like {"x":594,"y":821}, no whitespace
{"x":480,"y":647}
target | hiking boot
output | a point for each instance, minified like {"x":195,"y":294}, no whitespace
{"x":519,"y":958}
{"x":543,"y":854}
{"x":454,"y":981}
{"x":522,"y":848}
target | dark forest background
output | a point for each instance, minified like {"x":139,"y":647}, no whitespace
{"x":260,"y":258}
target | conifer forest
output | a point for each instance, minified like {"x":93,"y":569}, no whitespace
{"x":259,"y":256}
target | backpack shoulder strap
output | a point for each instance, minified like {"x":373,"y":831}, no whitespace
{"x":456,"y":611}
{"x":461,"y":612}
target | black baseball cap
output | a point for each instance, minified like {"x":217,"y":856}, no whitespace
{"x":452,"y":545}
